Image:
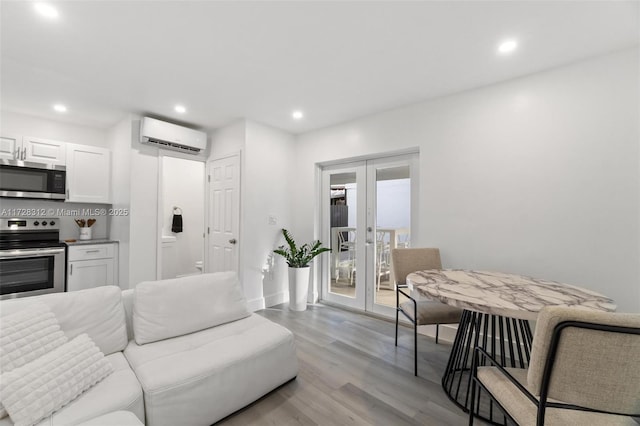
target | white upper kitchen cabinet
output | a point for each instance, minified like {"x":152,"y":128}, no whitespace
{"x":88,"y":174}
{"x":9,"y":146}
{"x":41,"y":150}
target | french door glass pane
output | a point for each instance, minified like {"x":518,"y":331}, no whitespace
{"x":343,"y":223}
{"x":393,"y":221}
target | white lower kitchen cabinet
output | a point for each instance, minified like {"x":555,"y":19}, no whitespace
{"x":92,"y":265}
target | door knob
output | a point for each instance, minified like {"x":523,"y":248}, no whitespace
{"x":232,"y":241}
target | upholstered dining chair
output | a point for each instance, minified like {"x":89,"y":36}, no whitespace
{"x":584,"y":370}
{"x":420,"y":312}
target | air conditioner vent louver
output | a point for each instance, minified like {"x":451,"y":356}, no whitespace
{"x":172,"y":146}
{"x":171,"y":136}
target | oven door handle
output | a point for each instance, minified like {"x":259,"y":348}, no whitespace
{"x":29,"y":252}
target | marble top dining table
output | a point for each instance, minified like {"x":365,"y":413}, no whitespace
{"x":503,"y":294}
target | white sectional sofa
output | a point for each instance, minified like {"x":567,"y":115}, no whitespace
{"x":184,"y":351}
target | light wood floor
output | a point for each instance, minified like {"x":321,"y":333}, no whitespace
{"x":386,"y":295}
{"x":352,"y":374}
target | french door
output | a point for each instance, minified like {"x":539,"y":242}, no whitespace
{"x":366,"y":212}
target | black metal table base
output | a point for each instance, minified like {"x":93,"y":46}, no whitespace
{"x":507,"y":340}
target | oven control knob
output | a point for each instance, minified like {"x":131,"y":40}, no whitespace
{"x":52,"y":223}
{"x":36,"y":223}
{"x":44,"y":223}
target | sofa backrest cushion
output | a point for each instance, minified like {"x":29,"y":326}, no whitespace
{"x":97,"y":312}
{"x":170,"y":308}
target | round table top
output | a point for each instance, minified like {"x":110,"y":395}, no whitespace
{"x":503,"y":294}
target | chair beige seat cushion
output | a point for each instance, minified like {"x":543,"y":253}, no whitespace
{"x":524,"y":411}
{"x":431,"y":312}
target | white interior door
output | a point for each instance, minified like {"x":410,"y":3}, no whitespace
{"x":224,"y":214}
{"x":367,"y":210}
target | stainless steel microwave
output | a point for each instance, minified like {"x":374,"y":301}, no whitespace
{"x":25,"y":179}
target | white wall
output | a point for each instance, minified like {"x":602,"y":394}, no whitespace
{"x":267,"y":155}
{"x":268,"y":172}
{"x":183,"y":187}
{"x":26,"y":125}
{"x":120,"y":137}
{"x":143,"y":222}
{"x":537,"y":176}
{"x":229,"y":139}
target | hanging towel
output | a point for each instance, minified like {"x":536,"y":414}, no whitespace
{"x":176,"y":223}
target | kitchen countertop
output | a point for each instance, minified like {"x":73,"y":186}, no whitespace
{"x":95,"y":241}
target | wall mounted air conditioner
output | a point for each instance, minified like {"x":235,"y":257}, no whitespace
{"x":171,"y":136}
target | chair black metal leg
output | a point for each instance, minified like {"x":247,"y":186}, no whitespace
{"x":473,"y":384}
{"x":437,"y":331}
{"x":397,"y":307}
{"x":396,"y":327}
{"x":415,"y":348}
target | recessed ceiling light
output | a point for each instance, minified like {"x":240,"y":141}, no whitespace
{"x":46,"y":10}
{"x":297,"y":115}
{"x":507,"y":46}
{"x":60,"y":108}
{"x":180,"y":108}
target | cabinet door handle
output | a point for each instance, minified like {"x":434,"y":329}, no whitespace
{"x":16,"y":154}
{"x":24,"y":153}
{"x":71,"y":271}
{"x":92,"y":251}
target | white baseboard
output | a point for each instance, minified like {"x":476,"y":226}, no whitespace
{"x":255,"y":304}
{"x":276,"y":299}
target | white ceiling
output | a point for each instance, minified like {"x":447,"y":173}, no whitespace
{"x":261,"y":60}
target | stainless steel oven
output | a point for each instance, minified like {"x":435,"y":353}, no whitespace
{"x":32,"y":259}
{"x":24,"y":179}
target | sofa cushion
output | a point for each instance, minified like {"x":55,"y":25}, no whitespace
{"x":37,"y":389}
{"x":97,"y":312}
{"x":200,"y":378}
{"x":170,"y":308}
{"x":116,"y":418}
{"x":119,"y":391}
{"x":27,"y":335}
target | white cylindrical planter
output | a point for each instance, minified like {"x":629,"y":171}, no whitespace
{"x":85,"y":233}
{"x":298,"y":288}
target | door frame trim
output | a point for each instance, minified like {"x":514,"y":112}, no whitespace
{"x":160,"y":204}
{"x":317,"y":276}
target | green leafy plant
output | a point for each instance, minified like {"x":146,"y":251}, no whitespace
{"x":299,"y":257}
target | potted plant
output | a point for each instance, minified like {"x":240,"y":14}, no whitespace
{"x":298,"y":259}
